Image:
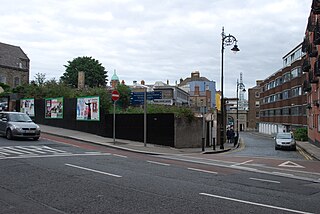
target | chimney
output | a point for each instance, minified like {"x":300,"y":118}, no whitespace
{"x":196,"y":90}
{"x":142,"y":82}
{"x":167,"y":82}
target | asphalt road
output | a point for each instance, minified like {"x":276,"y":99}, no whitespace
{"x":71,"y":177}
{"x":259,"y":145}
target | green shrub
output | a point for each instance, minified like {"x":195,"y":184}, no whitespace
{"x":301,"y":134}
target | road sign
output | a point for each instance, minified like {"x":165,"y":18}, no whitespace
{"x":115,"y":95}
{"x":137,"y":98}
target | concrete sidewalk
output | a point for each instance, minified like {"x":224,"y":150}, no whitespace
{"x":129,"y":145}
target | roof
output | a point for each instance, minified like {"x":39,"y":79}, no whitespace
{"x":191,"y":79}
{"x":13,"y":57}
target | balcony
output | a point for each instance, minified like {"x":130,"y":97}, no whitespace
{"x":315,"y":7}
{"x":306,"y":86}
{"x":306,"y":65}
{"x":316,"y":34}
{"x":312,"y":78}
{"x":317,"y":67}
{"x":311,"y":22}
{"x":312,"y":51}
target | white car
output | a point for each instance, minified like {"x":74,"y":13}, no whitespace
{"x":17,"y":124}
{"x":285,"y":140}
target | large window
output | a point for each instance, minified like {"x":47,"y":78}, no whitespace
{"x":296,"y":72}
{"x":286,"y":77}
{"x":16,"y":81}
{"x":285,"y":94}
{"x":296,"y":92}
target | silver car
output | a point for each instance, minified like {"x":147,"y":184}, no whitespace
{"x":17,"y":124}
{"x":285,"y":140}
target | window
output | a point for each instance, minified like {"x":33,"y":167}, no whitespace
{"x":257,"y":94}
{"x":16,"y":82}
{"x":285,"y":94}
{"x":278,"y":112}
{"x":318,"y":123}
{"x":296,"y":92}
{"x":286,"y":77}
{"x":257,"y":114}
{"x":3,"y":79}
{"x":285,"y":111}
{"x":295,"y":111}
{"x":257,"y":103}
{"x":296,"y":72}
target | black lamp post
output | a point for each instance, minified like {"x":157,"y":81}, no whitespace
{"x":225,"y":41}
{"x":241,"y":86}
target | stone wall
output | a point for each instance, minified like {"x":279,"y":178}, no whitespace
{"x":10,"y":74}
{"x":188,"y":134}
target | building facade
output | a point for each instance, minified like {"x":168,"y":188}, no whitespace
{"x":14,"y":65}
{"x":254,"y":107}
{"x":202,"y":91}
{"x":311,"y":66}
{"x":283,"y":102}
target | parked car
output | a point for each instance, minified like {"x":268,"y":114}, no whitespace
{"x":18,"y":124}
{"x":285,"y":140}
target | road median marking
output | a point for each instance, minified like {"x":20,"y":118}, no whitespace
{"x":201,"y":170}
{"x":93,"y":170}
{"x":159,"y":163}
{"x":238,"y":164}
{"x":265,"y":180}
{"x":254,"y":203}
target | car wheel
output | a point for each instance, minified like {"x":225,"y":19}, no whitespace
{"x":9,"y":134}
{"x":294,"y":148}
{"x":36,"y":138}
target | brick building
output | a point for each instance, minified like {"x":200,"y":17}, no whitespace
{"x":254,"y":106}
{"x":311,"y":67}
{"x":283,"y":102}
{"x":14,"y":65}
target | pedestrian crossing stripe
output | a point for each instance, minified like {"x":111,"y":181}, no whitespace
{"x":291,"y":164}
{"x":28,"y":150}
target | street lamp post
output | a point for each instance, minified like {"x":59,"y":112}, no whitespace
{"x":225,"y":41}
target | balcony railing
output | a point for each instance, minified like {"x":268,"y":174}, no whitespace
{"x":315,"y":7}
{"x":306,"y":65}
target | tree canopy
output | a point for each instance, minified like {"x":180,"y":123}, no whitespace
{"x":95,"y":73}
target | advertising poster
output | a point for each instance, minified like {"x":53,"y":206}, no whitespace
{"x":54,"y":107}
{"x":27,"y":106}
{"x":88,"y":108}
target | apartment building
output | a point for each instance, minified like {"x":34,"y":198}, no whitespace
{"x":311,"y":67}
{"x":283,"y":103}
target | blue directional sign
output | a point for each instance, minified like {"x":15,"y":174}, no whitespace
{"x":137,"y":98}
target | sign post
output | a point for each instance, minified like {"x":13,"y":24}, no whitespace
{"x":114,"y":96}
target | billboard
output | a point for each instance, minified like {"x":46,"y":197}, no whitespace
{"x":88,"y":108}
{"x":27,"y":106}
{"x":54,"y":108}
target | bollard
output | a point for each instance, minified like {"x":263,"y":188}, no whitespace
{"x":203,"y":144}
{"x":214,"y":143}
{"x":235,"y":141}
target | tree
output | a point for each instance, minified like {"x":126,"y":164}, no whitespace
{"x":124,"y":91}
{"x":95,"y":73}
{"x":40,"y":78}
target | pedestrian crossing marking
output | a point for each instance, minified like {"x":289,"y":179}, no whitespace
{"x":291,"y":164}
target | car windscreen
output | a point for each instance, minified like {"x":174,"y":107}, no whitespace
{"x":284,"y":136}
{"x":19,"y":118}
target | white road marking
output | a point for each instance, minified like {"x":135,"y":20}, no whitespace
{"x":253,"y":203}
{"x":282,"y":174}
{"x":264,"y":180}
{"x":14,"y":151}
{"x":291,"y":164}
{"x":121,"y":156}
{"x":238,"y":164}
{"x":159,"y":163}
{"x":93,"y":170}
{"x":201,"y":170}
{"x":31,"y":149}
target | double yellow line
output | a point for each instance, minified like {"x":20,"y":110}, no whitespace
{"x":304,"y":154}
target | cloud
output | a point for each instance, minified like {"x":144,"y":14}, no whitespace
{"x":157,"y":40}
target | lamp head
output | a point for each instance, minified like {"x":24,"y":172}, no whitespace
{"x":235,"y":48}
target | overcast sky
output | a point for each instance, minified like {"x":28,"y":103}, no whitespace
{"x":157,"y":40}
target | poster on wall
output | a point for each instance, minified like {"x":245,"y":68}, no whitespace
{"x":27,"y":106}
{"x":88,"y":108}
{"x":54,"y":107}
